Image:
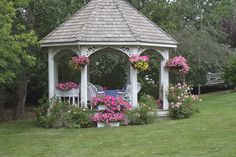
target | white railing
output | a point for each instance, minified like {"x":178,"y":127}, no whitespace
{"x":71,"y":96}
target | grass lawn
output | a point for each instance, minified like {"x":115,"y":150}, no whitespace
{"x":211,"y":133}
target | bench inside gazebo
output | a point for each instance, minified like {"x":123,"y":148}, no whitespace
{"x":103,"y":24}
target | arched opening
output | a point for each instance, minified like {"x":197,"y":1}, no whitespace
{"x":63,"y":70}
{"x":150,"y":79}
{"x":108,"y":68}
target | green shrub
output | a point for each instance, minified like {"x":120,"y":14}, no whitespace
{"x":146,"y":113}
{"x":181,"y":101}
{"x":56,"y":114}
{"x":81,"y":117}
{"x":230,"y":72}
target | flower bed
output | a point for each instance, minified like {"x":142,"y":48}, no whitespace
{"x":79,"y":61}
{"x":179,"y":63}
{"x":140,"y":63}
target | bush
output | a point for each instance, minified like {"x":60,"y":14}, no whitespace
{"x":181,"y":101}
{"x":146,"y":113}
{"x":61,"y":114}
{"x":230,"y":73}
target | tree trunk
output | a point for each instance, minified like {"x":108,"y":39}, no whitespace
{"x":21,"y":93}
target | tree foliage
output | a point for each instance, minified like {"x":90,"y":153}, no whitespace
{"x":230,"y":72}
{"x":14,"y":43}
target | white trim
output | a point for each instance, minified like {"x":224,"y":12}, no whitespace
{"x":109,"y":44}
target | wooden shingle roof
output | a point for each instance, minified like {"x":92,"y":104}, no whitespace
{"x":114,"y":21}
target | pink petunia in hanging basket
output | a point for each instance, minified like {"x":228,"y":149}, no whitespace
{"x":179,"y":63}
{"x":79,"y":61}
{"x":140,"y":63}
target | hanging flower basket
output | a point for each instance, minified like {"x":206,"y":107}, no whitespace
{"x":78,"y":62}
{"x":140,"y":63}
{"x":178,"y":63}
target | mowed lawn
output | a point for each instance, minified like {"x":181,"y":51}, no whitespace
{"x":211,"y":133}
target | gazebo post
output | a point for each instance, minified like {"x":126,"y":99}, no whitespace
{"x":134,"y":78}
{"x":55,"y":72}
{"x":134,"y":83}
{"x":51,"y":73}
{"x":128,"y":75}
{"x":164,"y":80}
{"x":84,"y":82}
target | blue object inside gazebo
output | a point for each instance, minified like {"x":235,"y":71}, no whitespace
{"x":111,"y":93}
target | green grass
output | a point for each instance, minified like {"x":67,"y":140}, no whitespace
{"x":211,"y":133}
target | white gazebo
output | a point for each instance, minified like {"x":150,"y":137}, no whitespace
{"x":111,"y":24}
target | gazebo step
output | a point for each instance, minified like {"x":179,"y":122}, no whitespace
{"x":163,"y":114}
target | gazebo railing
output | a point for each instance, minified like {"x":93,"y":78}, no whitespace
{"x":71,"y":96}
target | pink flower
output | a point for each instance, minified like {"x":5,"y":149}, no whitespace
{"x":136,"y":58}
{"x":67,"y":86}
{"x":80,"y":60}
{"x":179,"y":63}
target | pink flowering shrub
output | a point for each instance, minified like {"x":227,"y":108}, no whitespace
{"x":181,"y":101}
{"x":67,"y":86}
{"x":114,"y":112}
{"x":179,"y":63}
{"x":78,"y":61}
{"x":140,"y":63}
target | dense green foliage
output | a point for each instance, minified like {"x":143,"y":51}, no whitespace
{"x":230,"y":72}
{"x":209,"y":133}
{"x":56,"y":114}
{"x":16,"y":58}
{"x":145,"y":114}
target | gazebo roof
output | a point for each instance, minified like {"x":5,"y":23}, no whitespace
{"x":103,"y":22}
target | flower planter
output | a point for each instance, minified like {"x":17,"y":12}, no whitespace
{"x":102,"y":125}
{"x":101,"y":107}
{"x":69,"y":93}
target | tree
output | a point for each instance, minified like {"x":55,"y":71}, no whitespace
{"x":15,"y":43}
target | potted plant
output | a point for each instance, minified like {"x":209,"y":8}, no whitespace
{"x":113,"y":112}
{"x":139,"y":63}
{"x":179,"y":63}
{"x":67,"y":88}
{"x":78,"y":62}
{"x":98,"y":103}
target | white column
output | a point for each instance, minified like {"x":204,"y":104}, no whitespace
{"x":134,"y":83}
{"x":128,"y":75}
{"x":51,"y":73}
{"x":84,"y":82}
{"x":55,"y":72}
{"x":164,"y":80}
